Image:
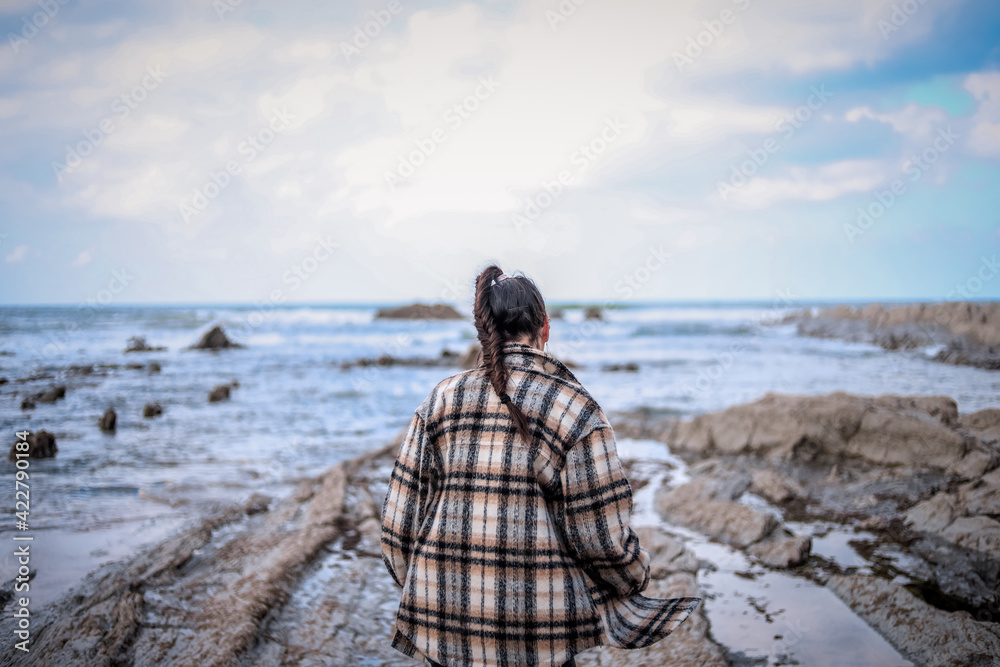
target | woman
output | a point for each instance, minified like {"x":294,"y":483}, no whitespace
{"x":506,"y":518}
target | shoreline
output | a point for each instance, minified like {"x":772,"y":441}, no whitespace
{"x":295,"y":579}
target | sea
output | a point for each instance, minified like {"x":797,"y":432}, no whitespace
{"x":300,"y":403}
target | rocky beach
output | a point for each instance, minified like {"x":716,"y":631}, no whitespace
{"x":820,"y":527}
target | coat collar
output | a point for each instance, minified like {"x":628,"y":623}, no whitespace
{"x":526,"y":357}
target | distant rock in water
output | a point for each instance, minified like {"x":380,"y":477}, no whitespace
{"x":630,"y":366}
{"x":556,"y":314}
{"x":152,"y":410}
{"x":41,"y":445}
{"x":215,"y":339}
{"x":219,"y":393}
{"x":154,"y":367}
{"x":139,"y":344}
{"x":593,"y":313}
{"x":27,"y":403}
{"x":108,"y":420}
{"x":420,"y":311}
{"x":52,"y":395}
{"x":970,"y":331}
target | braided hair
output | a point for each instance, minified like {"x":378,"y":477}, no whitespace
{"x":505,"y":310}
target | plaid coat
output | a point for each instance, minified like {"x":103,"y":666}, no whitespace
{"x":512,"y":553}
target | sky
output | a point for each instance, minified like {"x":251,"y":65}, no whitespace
{"x":200,"y":151}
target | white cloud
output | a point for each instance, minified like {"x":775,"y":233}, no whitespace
{"x":915,"y":122}
{"x":84,"y":258}
{"x":823,"y":183}
{"x":17,"y":254}
{"x":984,"y":137}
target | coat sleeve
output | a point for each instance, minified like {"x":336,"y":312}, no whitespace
{"x":406,"y":499}
{"x":597,"y":507}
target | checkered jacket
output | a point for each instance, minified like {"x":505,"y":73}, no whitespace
{"x":512,"y":553}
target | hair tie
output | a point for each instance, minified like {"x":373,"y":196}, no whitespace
{"x":504,"y":398}
{"x":499,"y":279}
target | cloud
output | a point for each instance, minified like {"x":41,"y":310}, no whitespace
{"x":824,"y":183}
{"x":916,"y":122}
{"x":83,"y":259}
{"x":17,"y":254}
{"x":984,"y":137}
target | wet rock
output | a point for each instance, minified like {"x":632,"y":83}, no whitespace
{"x":420,"y":311}
{"x":80,"y":370}
{"x":28,"y":403}
{"x":152,"y":410}
{"x":970,"y":331}
{"x":473,"y":357}
{"x":556,"y":314}
{"x":51,"y":395}
{"x":139,"y":344}
{"x":3,"y":381}
{"x":387,"y":360}
{"x":258,"y":502}
{"x":41,"y":445}
{"x":108,"y":420}
{"x":215,"y":339}
{"x":154,"y":367}
{"x":782,"y":549}
{"x":630,"y":367}
{"x":694,"y":505}
{"x":219,"y":393}
{"x":922,"y":633}
{"x":593,"y":313}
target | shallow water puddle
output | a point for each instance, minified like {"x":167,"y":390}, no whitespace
{"x":762,"y":616}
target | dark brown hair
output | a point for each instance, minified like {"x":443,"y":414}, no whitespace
{"x":504,"y":311}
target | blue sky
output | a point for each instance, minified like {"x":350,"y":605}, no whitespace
{"x":250,"y":151}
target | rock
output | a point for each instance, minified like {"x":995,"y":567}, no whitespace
{"x":41,"y":445}
{"x":472,"y":358}
{"x":152,"y":410}
{"x":983,"y":495}
{"x":977,"y":460}
{"x":139,"y":344}
{"x":910,"y":431}
{"x":979,"y":533}
{"x":215,"y":339}
{"x":27,"y":403}
{"x":235,"y":384}
{"x":52,"y":395}
{"x":922,"y":633}
{"x":723,"y":520}
{"x":782,"y":549}
{"x":969,"y":331}
{"x":630,"y":366}
{"x":556,"y":314}
{"x":593,"y":313}
{"x":689,"y":644}
{"x":154,"y":367}
{"x":3,"y":381}
{"x":667,"y":555}
{"x":420,"y":311}
{"x":934,"y":514}
{"x":768,"y":484}
{"x":984,"y":424}
{"x":219,"y":393}
{"x":108,"y":420}
{"x":258,"y":502}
